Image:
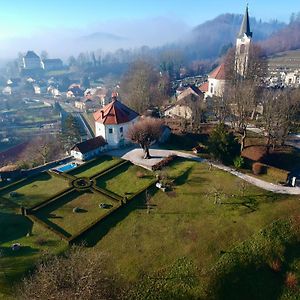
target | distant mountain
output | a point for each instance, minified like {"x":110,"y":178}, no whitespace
{"x":208,"y":39}
{"x":103,"y":36}
{"x":287,"y":38}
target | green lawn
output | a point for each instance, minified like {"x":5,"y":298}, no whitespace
{"x":60,"y":214}
{"x":186,"y":224}
{"x":124,"y":180}
{"x":13,"y":229}
{"x":94,"y":167}
{"x":35,"y":190}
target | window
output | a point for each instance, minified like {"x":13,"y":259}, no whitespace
{"x":242,"y":49}
{"x":121,"y":129}
{"x":110,"y":130}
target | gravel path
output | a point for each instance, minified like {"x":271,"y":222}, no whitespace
{"x":136,"y":157}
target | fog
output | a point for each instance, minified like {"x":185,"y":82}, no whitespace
{"x":112,"y":35}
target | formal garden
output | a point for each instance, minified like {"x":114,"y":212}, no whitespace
{"x":209,"y":234}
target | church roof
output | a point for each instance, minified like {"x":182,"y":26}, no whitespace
{"x":218,"y":73}
{"x":204,"y":87}
{"x":115,"y":113}
{"x":245,"y":27}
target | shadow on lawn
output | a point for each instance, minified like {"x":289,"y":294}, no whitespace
{"x":23,"y":251}
{"x":13,"y":227}
{"x":100,"y":230}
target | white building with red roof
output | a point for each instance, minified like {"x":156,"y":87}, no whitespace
{"x":216,"y":81}
{"x":112,"y":122}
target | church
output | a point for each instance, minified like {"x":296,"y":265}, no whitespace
{"x":217,"y":78}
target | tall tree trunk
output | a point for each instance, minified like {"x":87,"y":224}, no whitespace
{"x":146,"y":152}
{"x":243,"y":139}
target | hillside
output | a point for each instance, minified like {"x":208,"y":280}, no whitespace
{"x":208,"y":39}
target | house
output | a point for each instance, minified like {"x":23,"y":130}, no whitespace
{"x":89,"y":148}
{"x":7,"y":90}
{"x":52,"y":64}
{"x":112,"y":122}
{"x":184,"y":105}
{"x":75,"y":91}
{"x":31,"y":61}
{"x":84,"y":104}
{"x":292,"y":78}
{"x":216,"y":82}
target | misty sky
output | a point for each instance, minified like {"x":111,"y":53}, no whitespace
{"x":43,"y":24}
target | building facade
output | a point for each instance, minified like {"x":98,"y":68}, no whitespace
{"x":31,"y":61}
{"x":112,"y":123}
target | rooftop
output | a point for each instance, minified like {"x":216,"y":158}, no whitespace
{"x":115,"y":113}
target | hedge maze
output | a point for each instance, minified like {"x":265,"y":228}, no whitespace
{"x":71,"y":204}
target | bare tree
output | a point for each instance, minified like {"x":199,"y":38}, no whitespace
{"x":242,"y":92}
{"x":143,"y":87}
{"x":77,"y":275}
{"x":145,"y":132}
{"x":279,"y":112}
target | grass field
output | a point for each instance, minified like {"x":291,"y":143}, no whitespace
{"x":35,"y":190}
{"x":14,"y":228}
{"x":178,"y":240}
{"x":124,"y":180}
{"x":187,"y":224}
{"x":60,"y":214}
{"x":94,"y":167}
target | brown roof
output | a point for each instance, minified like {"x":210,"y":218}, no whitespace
{"x":218,"y":73}
{"x":90,"y":145}
{"x":191,"y":90}
{"x":115,"y":113}
{"x":204,"y":87}
{"x":9,"y":168}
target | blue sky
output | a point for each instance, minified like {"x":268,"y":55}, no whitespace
{"x":62,"y":26}
{"x":24,"y":17}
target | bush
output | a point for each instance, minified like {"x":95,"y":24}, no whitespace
{"x":140,"y":174}
{"x":163,"y":163}
{"x":257,"y":168}
{"x":276,"y":265}
{"x":223,"y":145}
{"x":238,"y":162}
{"x":291,"y":280}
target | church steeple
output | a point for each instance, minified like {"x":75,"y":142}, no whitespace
{"x":245,"y":27}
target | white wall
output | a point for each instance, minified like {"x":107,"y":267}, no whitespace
{"x":215,"y":87}
{"x":116,"y":137}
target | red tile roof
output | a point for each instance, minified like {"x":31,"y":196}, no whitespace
{"x":204,"y":87}
{"x":115,"y":113}
{"x":90,"y":145}
{"x":218,"y":73}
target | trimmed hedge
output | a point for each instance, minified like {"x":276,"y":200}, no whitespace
{"x":107,"y":193}
{"x":34,"y":218}
{"x":80,"y":235}
{"x":50,"y":200}
{"x":109,"y":169}
{"x":163,"y":163}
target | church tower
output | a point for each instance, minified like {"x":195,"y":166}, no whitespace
{"x":243,"y":43}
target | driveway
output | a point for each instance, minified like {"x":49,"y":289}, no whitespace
{"x":135,"y":155}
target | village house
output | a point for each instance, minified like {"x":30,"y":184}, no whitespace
{"x":112,"y":122}
{"x":186,"y":100}
{"x":88,"y":149}
{"x":216,"y":82}
{"x":31,"y":61}
{"x":52,"y":64}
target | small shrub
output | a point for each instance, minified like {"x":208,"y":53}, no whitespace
{"x":238,"y":162}
{"x":140,"y":174}
{"x":276,"y":265}
{"x":41,"y":241}
{"x":257,"y":168}
{"x":291,"y":280}
{"x":163,"y":163}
